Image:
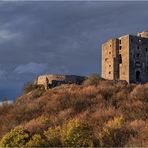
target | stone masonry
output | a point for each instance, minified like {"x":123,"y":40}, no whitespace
{"x":52,"y":80}
{"x":126,"y":58}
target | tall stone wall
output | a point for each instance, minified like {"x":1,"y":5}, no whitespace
{"x":138,"y":59}
{"x":124,"y":55}
{"x":109,"y":59}
{"x":126,"y":58}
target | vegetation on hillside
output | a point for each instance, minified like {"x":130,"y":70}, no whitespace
{"x":97,"y":113}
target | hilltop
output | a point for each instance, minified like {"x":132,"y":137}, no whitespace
{"x":96,"y":113}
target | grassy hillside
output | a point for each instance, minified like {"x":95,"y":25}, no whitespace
{"x":97,"y":113}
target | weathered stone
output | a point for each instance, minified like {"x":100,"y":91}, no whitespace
{"x":56,"y":79}
{"x":126,"y":58}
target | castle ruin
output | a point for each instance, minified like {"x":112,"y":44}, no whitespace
{"x":126,"y":58}
{"x":53,"y":80}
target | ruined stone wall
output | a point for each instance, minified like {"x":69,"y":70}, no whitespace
{"x":115,"y":59}
{"x":41,"y":80}
{"x":138,"y":59}
{"x":124,"y":54}
{"x":143,"y":34}
{"x":47,"y":80}
{"x":126,"y":58}
{"x":110,"y":68}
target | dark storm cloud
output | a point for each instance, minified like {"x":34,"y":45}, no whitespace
{"x":60,"y":37}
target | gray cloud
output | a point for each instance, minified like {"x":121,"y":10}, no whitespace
{"x":35,"y":68}
{"x":2,"y":74}
{"x":60,"y":37}
{"x":6,"y":35}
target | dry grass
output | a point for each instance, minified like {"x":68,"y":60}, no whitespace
{"x":95,"y":104}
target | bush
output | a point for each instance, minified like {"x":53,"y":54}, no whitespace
{"x":107,"y":91}
{"x":140,"y":136}
{"x":28,"y":87}
{"x":80,"y":104}
{"x":37,"y":93}
{"x":134,"y":109}
{"x":114,"y":134}
{"x":18,"y":137}
{"x":77,"y":134}
{"x":92,"y":80}
{"x":140,"y":92}
{"x":38,"y":125}
{"x":53,"y":136}
{"x":36,"y":141}
{"x":94,"y":105}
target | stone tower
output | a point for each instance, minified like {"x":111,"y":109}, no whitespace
{"x":126,"y":58}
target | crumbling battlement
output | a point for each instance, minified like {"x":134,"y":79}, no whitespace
{"x":53,"y":80}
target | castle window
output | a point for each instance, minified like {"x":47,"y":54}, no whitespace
{"x":138,"y":76}
{"x":137,"y":47}
{"x":120,"y":41}
{"x":109,"y":52}
{"x":110,"y":45}
{"x":120,"y":59}
{"x":109,"y":72}
{"x":137,"y":62}
{"x":138,"y":55}
{"x":109,"y":65}
{"x":146,"y":49}
{"x":120,"y":47}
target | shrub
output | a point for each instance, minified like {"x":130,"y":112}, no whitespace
{"x":102,"y":115}
{"x":107,"y":91}
{"x":114,"y":133}
{"x":133,"y":110}
{"x":63,"y":101}
{"x":80,"y":104}
{"x":36,"y":141}
{"x":18,"y":137}
{"x":92,"y":80}
{"x":140,"y":134}
{"x":37,"y":93}
{"x":38,"y":125}
{"x":140,"y":92}
{"x":79,"y":99}
{"x":137,"y":125}
{"x":53,"y":137}
{"x":95,"y":105}
{"x":77,"y":134}
{"x":30,"y":87}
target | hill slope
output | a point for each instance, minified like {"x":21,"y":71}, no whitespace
{"x":100,"y":114}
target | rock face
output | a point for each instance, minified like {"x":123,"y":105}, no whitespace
{"x":53,"y":80}
{"x":126,"y":58}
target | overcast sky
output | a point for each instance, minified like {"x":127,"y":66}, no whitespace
{"x":60,"y":37}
